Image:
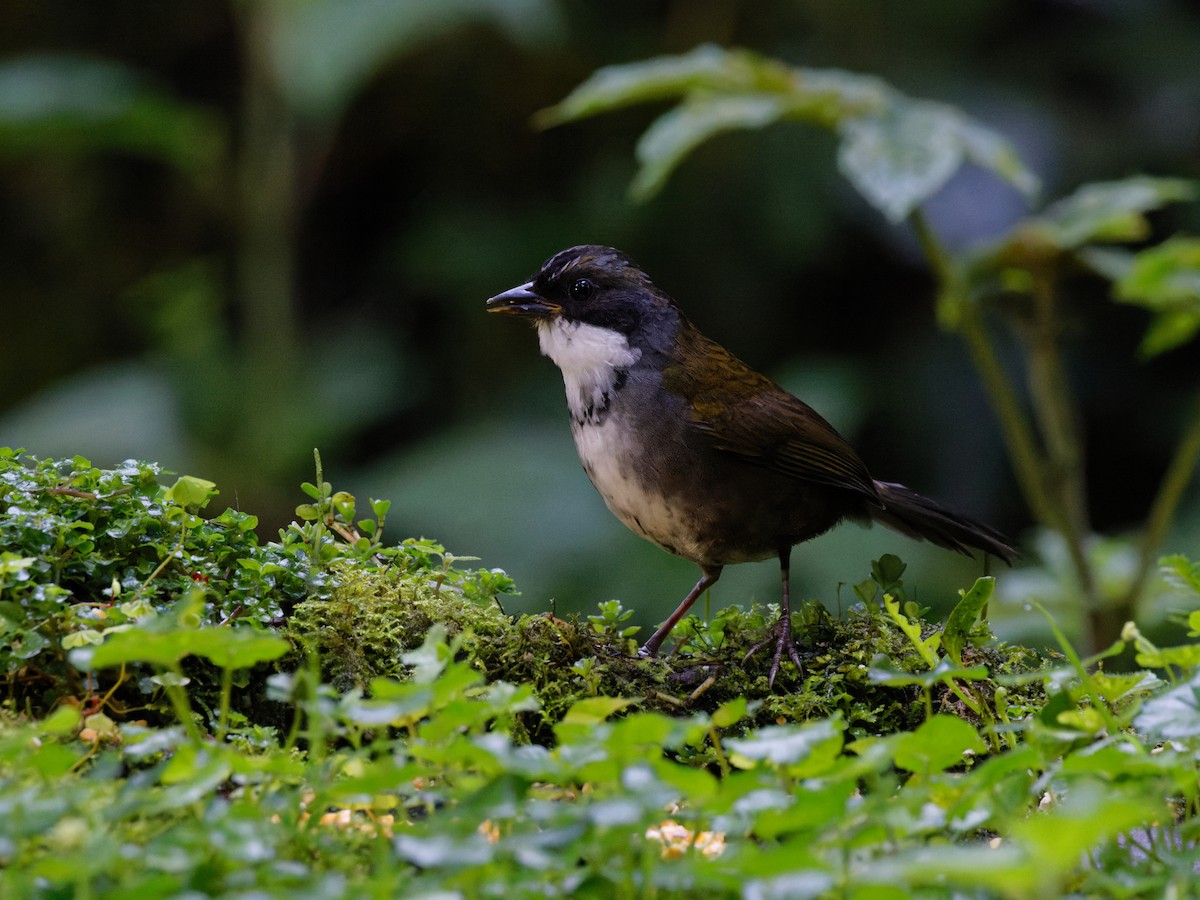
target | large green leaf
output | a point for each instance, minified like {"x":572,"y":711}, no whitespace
{"x":941,"y":742}
{"x":803,"y":750}
{"x":903,"y":155}
{"x":1174,"y":715}
{"x":323,"y":51}
{"x":899,"y":158}
{"x":896,"y":150}
{"x":230,"y":648}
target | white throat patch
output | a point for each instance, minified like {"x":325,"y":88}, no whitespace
{"x":590,"y":358}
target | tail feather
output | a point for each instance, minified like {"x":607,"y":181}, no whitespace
{"x":919,"y":517}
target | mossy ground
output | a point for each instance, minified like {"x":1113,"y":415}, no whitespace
{"x":374,"y":617}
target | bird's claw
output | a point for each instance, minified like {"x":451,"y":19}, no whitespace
{"x":781,"y":635}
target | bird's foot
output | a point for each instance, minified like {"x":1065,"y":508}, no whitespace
{"x":779,"y":634}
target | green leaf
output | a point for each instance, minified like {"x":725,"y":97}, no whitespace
{"x":191,"y":491}
{"x":1168,"y":330}
{"x":28,"y":644}
{"x":888,"y":570}
{"x":430,"y":659}
{"x":707,"y":67}
{"x":900,"y":158}
{"x":1174,"y":715}
{"x":677,"y":133}
{"x":818,"y":806}
{"x":239,"y":648}
{"x":1165,"y":276}
{"x":897,"y":151}
{"x":729,"y":713}
{"x":1088,"y":813}
{"x":1108,"y":211}
{"x":926,"y":646}
{"x":939,"y":743}
{"x":11,"y":564}
{"x":1181,"y":573}
{"x":1165,"y":279}
{"x":883,"y":671}
{"x":62,"y":721}
{"x":805,"y":750}
{"x":994,"y":871}
{"x":227,"y":647}
{"x":82,"y":638}
{"x":1186,"y":656}
{"x":866,"y":590}
{"x":990,"y":150}
{"x":594,"y":710}
{"x":444,"y":850}
{"x":962,"y":618}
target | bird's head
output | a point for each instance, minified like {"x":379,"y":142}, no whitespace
{"x":589,"y":286}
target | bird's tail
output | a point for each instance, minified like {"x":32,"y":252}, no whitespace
{"x":919,"y":517}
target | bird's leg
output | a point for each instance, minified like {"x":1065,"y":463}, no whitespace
{"x":709,"y":578}
{"x":781,"y":632}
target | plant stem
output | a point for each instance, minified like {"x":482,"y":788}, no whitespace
{"x":179,"y":703}
{"x":1049,"y":462}
{"x":1175,"y":481}
{"x":1058,"y":423}
{"x":226,"y":697}
{"x":962,"y":316}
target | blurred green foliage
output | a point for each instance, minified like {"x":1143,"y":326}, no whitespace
{"x":452,"y":747}
{"x":230,"y":232}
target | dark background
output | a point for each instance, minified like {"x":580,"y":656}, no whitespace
{"x":211,"y":258}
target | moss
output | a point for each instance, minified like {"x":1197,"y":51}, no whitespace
{"x":374,"y":617}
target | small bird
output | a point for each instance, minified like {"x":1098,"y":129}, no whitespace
{"x":694,"y":450}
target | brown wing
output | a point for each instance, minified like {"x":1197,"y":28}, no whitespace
{"x":745,"y":413}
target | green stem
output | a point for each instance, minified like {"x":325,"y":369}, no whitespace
{"x":959,"y":314}
{"x":1050,"y":391}
{"x":722,"y":762}
{"x":1175,"y":481}
{"x":1085,"y":679}
{"x":226,"y":697}
{"x":179,"y":702}
{"x":965,"y":698}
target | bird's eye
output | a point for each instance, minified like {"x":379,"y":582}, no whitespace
{"x":582,"y":289}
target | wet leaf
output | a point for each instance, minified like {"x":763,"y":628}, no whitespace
{"x":964,"y":615}
{"x":939,"y":743}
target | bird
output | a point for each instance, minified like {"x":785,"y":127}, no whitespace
{"x":694,"y":450}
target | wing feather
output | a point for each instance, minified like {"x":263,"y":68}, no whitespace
{"x":744,"y":413}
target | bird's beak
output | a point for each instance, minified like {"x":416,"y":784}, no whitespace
{"x":523,"y":301}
